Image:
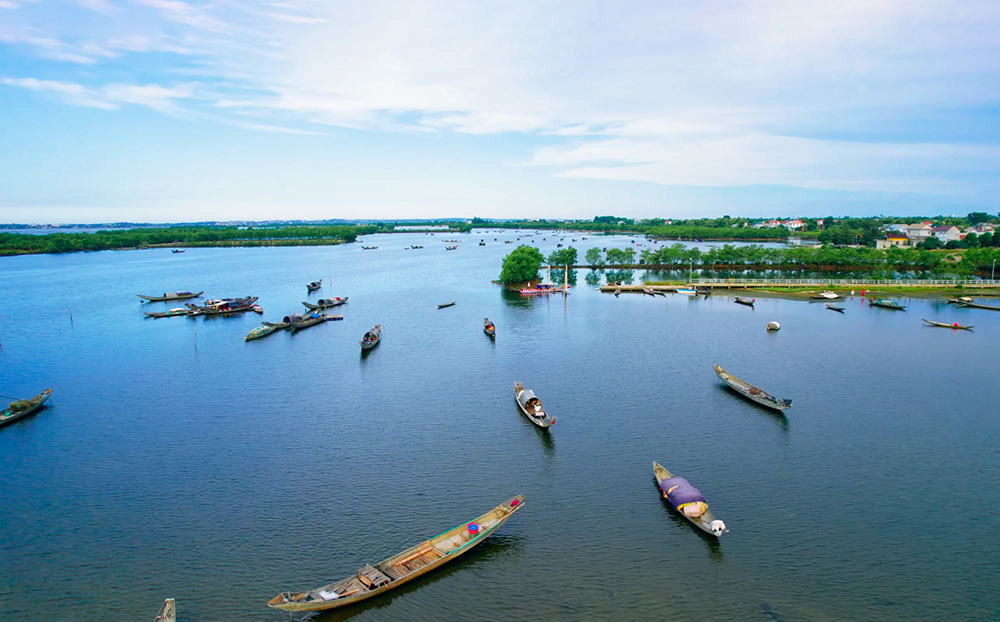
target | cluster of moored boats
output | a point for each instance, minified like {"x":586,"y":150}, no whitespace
{"x":214,"y":306}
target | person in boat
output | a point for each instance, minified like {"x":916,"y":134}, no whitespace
{"x":534,"y":406}
{"x":688,"y":500}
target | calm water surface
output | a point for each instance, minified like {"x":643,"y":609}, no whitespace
{"x":179,"y":461}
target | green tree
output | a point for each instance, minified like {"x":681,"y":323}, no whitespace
{"x":975,"y":218}
{"x":563,"y":257}
{"x":593,"y":256}
{"x":931,"y":243}
{"x":521,"y":265}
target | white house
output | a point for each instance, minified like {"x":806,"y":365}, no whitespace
{"x":918,"y":232}
{"x":947,"y":233}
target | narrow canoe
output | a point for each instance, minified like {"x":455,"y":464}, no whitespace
{"x":415,"y":561}
{"x":489,"y":328}
{"x":835,"y":308}
{"x":745,"y":301}
{"x":450,"y":303}
{"x":978,"y":305}
{"x":751,"y":392}
{"x":313,"y":319}
{"x":325,"y":303}
{"x":23,"y":408}
{"x":952,"y":326}
{"x":171,"y":313}
{"x":689,"y":497}
{"x":531,"y":406}
{"x":167,"y":613}
{"x":372,"y":338}
{"x":887,"y":304}
{"x":311,"y":287}
{"x":171,"y":296}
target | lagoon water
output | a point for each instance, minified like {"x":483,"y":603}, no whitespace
{"x":179,"y":461}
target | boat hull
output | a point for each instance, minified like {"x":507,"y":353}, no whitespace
{"x":745,"y":389}
{"x":8,"y":416}
{"x":174,"y":296}
{"x":703,"y":522}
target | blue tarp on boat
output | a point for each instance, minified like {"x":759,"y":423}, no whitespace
{"x":679,"y":491}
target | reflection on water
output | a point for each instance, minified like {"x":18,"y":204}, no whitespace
{"x":623,"y":276}
{"x":593,"y":278}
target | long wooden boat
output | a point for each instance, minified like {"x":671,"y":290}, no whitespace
{"x":390,"y":573}
{"x":978,"y":305}
{"x":687,"y":501}
{"x":167,"y":613}
{"x":836,"y":308}
{"x":171,"y":296}
{"x":450,"y":303}
{"x":313,"y":319}
{"x":751,"y":392}
{"x":372,"y":338}
{"x":544,"y":288}
{"x":531,"y":406}
{"x":325,"y":303}
{"x":955,"y":326}
{"x":368,"y":248}
{"x":451,"y":248}
{"x":887,"y":304}
{"x":311,"y":287}
{"x":170,"y":313}
{"x":261,"y":331}
{"x":960,"y":300}
{"x":489,"y":328}
{"x":225,"y":306}
{"x":23,"y":408}
{"x":745,"y":301}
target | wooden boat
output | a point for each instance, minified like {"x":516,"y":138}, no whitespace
{"x":618,"y":292}
{"x":450,"y":303}
{"x":979,"y":305}
{"x":745,"y":301}
{"x":325,"y":303}
{"x":544,"y":288}
{"x":836,"y":308}
{"x":687,"y":291}
{"x":887,"y":304}
{"x":313,"y":319}
{"x":751,"y":392}
{"x":773,"y":326}
{"x":451,"y":248}
{"x":825,"y":296}
{"x":372,"y":338}
{"x":955,"y":326}
{"x":23,"y":408}
{"x":171,"y":313}
{"x":167,"y":613}
{"x":171,"y":296}
{"x":369,"y":248}
{"x":416,"y":247}
{"x":531,"y":406}
{"x":489,"y":328}
{"x":415,"y":561}
{"x":311,"y":287}
{"x":960,"y":300}
{"x":177,"y":250}
{"x":261,"y":331}
{"x":225,"y":306}
{"x":687,"y":501}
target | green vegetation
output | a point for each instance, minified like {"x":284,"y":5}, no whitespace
{"x":521,"y":265}
{"x":302,"y":235}
{"x":619,"y":256}
{"x":563,"y":257}
{"x":593,"y":257}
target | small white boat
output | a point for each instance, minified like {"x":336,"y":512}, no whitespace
{"x":773,"y":326}
{"x":687,"y":291}
{"x":826,"y":296}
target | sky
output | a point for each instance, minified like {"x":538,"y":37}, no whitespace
{"x":176,"y":110}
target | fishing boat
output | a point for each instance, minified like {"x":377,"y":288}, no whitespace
{"x":836,"y":308}
{"x":171,"y":296}
{"x":687,"y":291}
{"x":649,"y":291}
{"x":745,"y":301}
{"x":887,"y":304}
{"x":544,"y":288}
{"x":955,"y":326}
{"x":325,"y":303}
{"x":23,"y":408}
{"x":489,"y":328}
{"x":391,"y":573}
{"x":225,"y":306}
{"x":372,"y":338}
{"x":416,"y":247}
{"x":313,"y":319}
{"x":177,"y":250}
{"x":618,"y":292}
{"x":167,"y":612}
{"x":531,"y":406}
{"x":261,"y":331}
{"x":979,"y":305}
{"x":687,"y":501}
{"x":450,"y":303}
{"x":825,"y":296}
{"x":369,"y":248}
{"x":960,"y":300}
{"x":773,"y":326}
{"x":311,"y":287}
{"x":451,"y":248}
{"x":170,"y":313}
{"x":751,"y":392}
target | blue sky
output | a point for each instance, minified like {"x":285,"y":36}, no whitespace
{"x":174,"y":110}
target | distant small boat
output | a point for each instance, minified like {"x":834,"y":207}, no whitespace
{"x":825,"y":296}
{"x":415,"y":561}
{"x":543,"y":288}
{"x":451,"y":248}
{"x":482,"y":243}
{"x":887,"y":304}
{"x":531,"y":406}
{"x":960,"y":300}
{"x":178,"y":311}
{"x":415,"y":247}
{"x":955,"y":326}
{"x":261,"y":331}
{"x":687,"y":501}
{"x":171,"y":296}
{"x":773,"y":326}
{"x":687,"y":291}
{"x":745,"y":301}
{"x":23,"y":408}
{"x":372,"y":338}
{"x":836,"y":308}
{"x":225,"y":306}
{"x":313,"y":319}
{"x":450,"y":303}
{"x":369,"y":248}
{"x":177,"y":250}
{"x":325,"y":303}
{"x":489,"y":328}
{"x":314,"y":285}
{"x":751,"y":392}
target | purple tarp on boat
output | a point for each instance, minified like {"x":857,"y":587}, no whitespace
{"x":683,"y":493}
